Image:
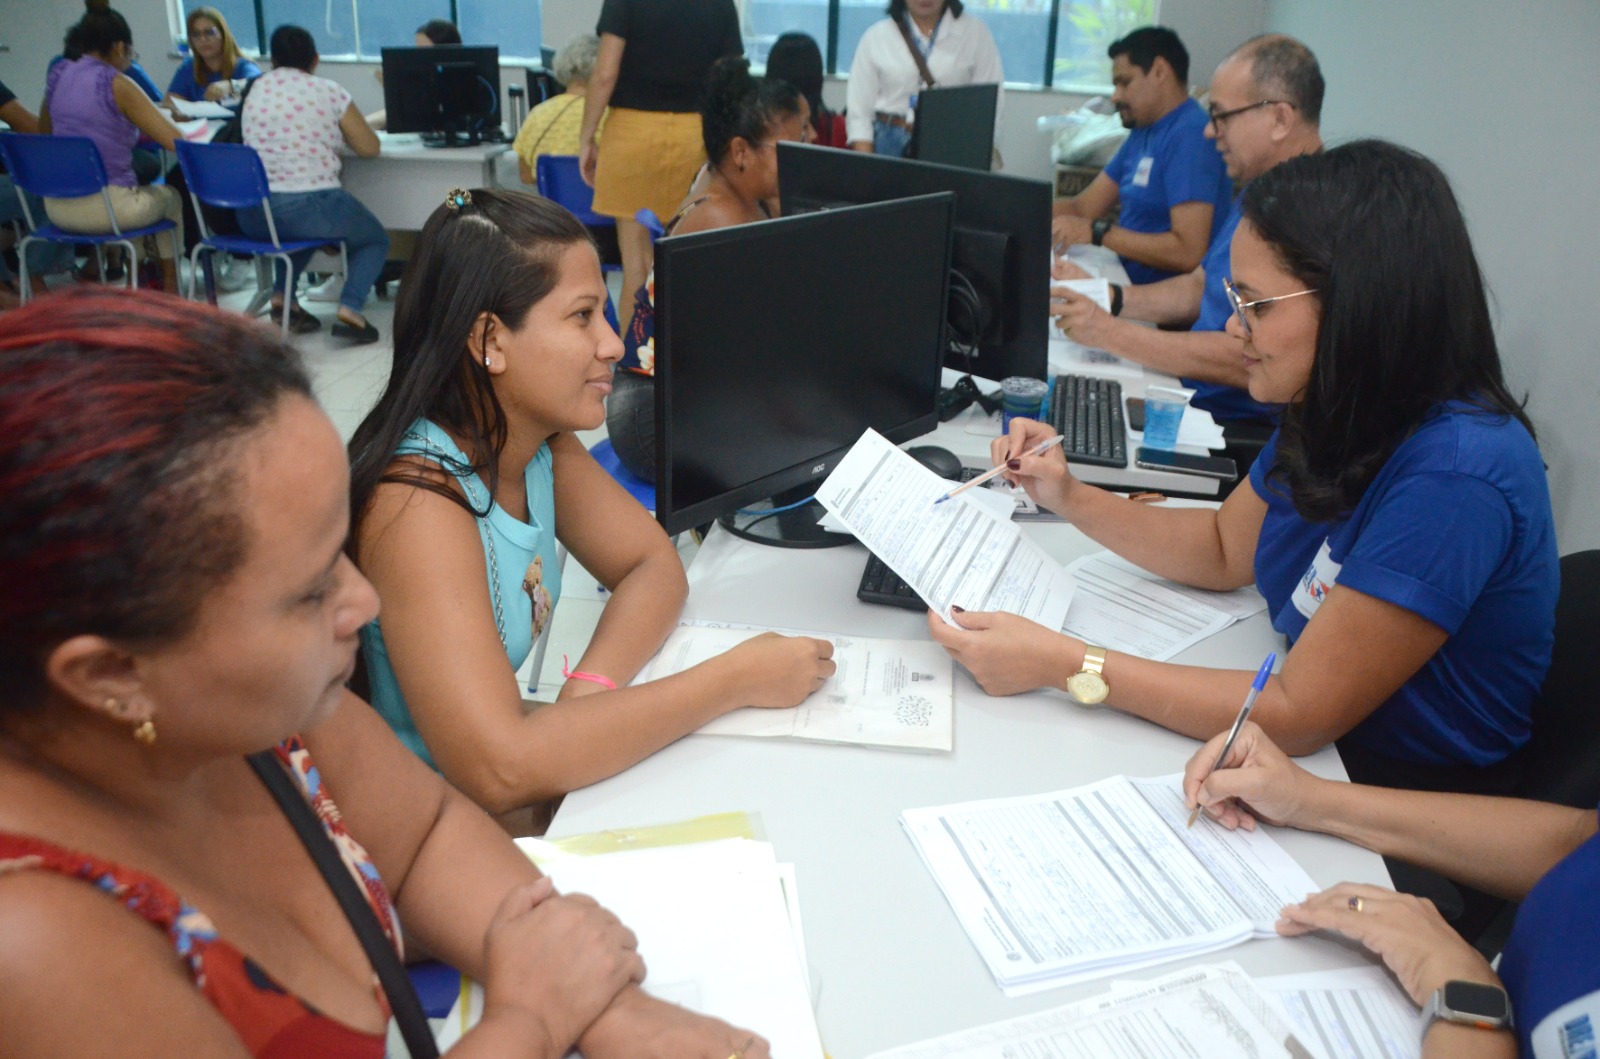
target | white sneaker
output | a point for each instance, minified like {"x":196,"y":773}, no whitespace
{"x":326,"y":291}
{"x":233,"y":275}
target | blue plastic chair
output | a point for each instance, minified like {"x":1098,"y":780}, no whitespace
{"x":560,"y":180}
{"x":651,"y":222}
{"x":230,"y":176}
{"x":605,"y":454}
{"x":69,"y":167}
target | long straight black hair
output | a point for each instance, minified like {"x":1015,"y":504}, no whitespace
{"x":496,"y":252}
{"x":1405,"y":317}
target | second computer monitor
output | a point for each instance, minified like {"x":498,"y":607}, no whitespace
{"x":1000,"y":262}
{"x":779,"y":343}
{"x":448,"y":90}
{"x":955,"y":126}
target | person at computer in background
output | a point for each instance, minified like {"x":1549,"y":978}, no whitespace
{"x":553,"y":126}
{"x":1266,"y":102}
{"x":175,"y":505}
{"x":1170,"y":183}
{"x":432,"y":32}
{"x":1398,"y":523}
{"x":1545,"y":856}
{"x":465,"y":476}
{"x":297,"y":122}
{"x":796,"y":58}
{"x":885,"y":80}
{"x":91,"y":96}
{"x":651,"y":71}
{"x":214,"y":61}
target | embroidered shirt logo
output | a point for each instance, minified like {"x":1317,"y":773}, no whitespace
{"x":1316,"y":582}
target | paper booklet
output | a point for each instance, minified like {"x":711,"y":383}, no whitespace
{"x":1201,"y":1011}
{"x":1128,"y":609}
{"x":1077,"y":884}
{"x":964,"y":552}
{"x":886,"y":693}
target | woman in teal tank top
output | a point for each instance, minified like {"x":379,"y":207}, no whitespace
{"x":463,"y":478}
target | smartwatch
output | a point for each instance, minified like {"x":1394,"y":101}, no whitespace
{"x":1098,"y":230}
{"x":1088,"y":686}
{"x":1486,"y":1007}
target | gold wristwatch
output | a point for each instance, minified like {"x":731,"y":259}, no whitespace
{"x":1088,"y":686}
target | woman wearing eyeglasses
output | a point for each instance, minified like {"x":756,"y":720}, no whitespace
{"x":215,"y":68}
{"x":1398,"y":523}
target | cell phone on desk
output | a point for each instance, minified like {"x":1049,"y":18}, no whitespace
{"x":1136,"y":414}
{"x":1219,"y":467}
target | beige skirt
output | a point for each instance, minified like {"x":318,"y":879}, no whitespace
{"x":647,"y":160}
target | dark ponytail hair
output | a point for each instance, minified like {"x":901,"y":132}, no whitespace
{"x":486,"y":251}
{"x":1405,"y":317}
{"x":736,"y":104}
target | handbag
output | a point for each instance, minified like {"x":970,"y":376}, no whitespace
{"x":385,"y":961}
{"x":232,"y":130}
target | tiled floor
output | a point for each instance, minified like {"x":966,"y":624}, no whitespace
{"x":348,"y":380}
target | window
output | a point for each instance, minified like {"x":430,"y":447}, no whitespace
{"x":363,"y":28}
{"x":1041,"y":42}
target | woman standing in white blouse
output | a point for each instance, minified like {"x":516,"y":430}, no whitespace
{"x":885,"y":76}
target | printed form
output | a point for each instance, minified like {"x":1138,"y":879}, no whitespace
{"x":961,"y":552}
{"x":1128,"y":609}
{"x":1202,"y":1011}
{"x":1354,"y":1013}
{"x":889,"y":693}
{"x":1072,"y":885}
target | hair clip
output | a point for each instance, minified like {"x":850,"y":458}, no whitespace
{"x":457,"y":198}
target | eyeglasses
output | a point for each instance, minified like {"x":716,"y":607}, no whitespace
{"x":1240,"y":305}
{"x":205,"y":33}
{"x":1220,"y":116}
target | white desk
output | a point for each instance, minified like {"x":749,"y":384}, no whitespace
{"x":406,"y":182}
{"x":890,"y":964}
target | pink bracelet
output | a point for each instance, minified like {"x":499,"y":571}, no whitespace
{"x":604,"y":682}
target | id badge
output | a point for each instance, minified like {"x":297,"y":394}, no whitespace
{"x":1141,"y":174}
{"x":1316,"y":582}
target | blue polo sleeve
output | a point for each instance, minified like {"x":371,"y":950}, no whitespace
{"x":1117,"y":168}
{"x":1196,"y":173}
{"x":1432,"y":545}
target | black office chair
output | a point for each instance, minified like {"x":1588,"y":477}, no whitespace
{"x":1561,"y":762}
{"x":542,"y":85}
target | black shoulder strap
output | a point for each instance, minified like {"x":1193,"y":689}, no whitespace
{"x":916,"y":53}
{"x":391,"y":974}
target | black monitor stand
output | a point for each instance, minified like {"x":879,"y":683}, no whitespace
{"x":791,"y":527}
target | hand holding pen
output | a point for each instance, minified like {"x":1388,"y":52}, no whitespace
{"x":1227,"y":744}
{"x":1037,"y":450}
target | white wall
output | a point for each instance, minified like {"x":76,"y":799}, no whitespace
{"x":33,"y":29}
{"x":1504,"y":97}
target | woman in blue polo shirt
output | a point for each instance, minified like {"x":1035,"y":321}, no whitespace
{"x":215,"y":65}
{"x":1546,"y":856}
{"x":1398,"y":524}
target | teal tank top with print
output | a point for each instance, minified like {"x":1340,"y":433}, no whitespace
{"x":520,"y":558}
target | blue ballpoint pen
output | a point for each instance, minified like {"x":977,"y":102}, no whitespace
{"x":1244,"y":715}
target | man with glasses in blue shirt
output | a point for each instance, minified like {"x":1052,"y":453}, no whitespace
{"x":1169,"y":183}
{"x":1266,"y":102}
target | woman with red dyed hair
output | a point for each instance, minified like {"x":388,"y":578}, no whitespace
{"x":178,"y":624}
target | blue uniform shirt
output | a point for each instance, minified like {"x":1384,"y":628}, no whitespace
{"x":183,"y":84}
{"x":520,"y":560}
{"x":1224,"y":402}
{"x":1455,"y":528}
{"x":1165,"y":165}
{"x":1551,"y":964}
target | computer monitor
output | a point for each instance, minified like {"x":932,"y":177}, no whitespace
{"x":778,"y":344}
{"x":1000,"y":260}
{"x":955,"y":126}
{"x":449,"y":92}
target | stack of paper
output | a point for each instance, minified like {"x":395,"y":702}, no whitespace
{"x":1209,"y":1011}
{"x":1121,"y":607}
{"x":964,"y":552}
{"x":1355,"y":1013}
{"x":889,"y":693}
{"x":1078,"y":884}
{"x":718,"y":928}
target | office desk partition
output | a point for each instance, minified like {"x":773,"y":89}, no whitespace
{"x":890,"y":964}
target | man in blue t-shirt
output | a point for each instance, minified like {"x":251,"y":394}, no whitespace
{"x":1169,"y":183}
{"x":1266,"y":101}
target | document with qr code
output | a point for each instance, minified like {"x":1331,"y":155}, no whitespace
{"x":886,"y":693}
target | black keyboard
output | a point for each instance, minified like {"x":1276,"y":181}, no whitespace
{"x":879,"y":584}
{"x":1088,"y":412}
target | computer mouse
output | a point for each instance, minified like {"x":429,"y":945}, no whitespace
{"x":940,"y":461}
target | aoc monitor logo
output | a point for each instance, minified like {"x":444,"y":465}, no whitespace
{"x":819,"y":468}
